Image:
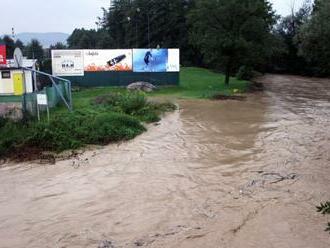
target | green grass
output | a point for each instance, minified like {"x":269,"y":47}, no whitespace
{"x":108,"y":114}
{"x":203,"y":83}
{"x":100,"y":119}
{"x":194,"y":83}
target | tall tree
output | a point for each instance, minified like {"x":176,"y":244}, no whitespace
{"x":231,"y":33}
{"x":58,"y":45}
{"x":19,"y":44}
{"x":144,"y":23}
{"x":34,"y":50}
{"x":286,"y":30}
{"x":315,"y":36}
{"x":10,"y":46}
{"x":89,"y":39}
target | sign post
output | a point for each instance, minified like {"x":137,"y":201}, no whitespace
{"x":42,"y":101}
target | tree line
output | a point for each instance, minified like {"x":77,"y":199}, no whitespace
{"x":226,"y":35}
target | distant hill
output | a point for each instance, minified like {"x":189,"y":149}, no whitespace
{"x":46,"y":39}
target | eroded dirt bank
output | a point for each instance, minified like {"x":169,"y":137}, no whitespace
{"x":214,"y":174}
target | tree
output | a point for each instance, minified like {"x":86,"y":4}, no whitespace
{"x":287,"y":58}
{"x":19,"y":44}
{"x":58,"y":45}
{"x":231,"y":33}
{"x":10,"y":46}
{"x":89,"y":39}
{"x":315,"y":36}
{"x":34,"y":50}
{"x":136,"y":23}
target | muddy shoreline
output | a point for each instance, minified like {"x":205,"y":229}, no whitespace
{"x":213,"y":174}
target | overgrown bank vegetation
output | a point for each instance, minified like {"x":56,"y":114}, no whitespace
{"x":110,"y":114}
{"x":324,"y":209}
{"x":104,"y":119}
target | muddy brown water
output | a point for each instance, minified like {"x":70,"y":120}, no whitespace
{"x":213,"y":174}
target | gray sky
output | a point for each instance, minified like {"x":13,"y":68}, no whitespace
{"x":283,"y":7}
{"x":65,"y":15}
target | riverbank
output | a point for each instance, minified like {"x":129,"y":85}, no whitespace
{"x":195,"y":83}
{"x":104,"y":119}
{"x":109,"y":114}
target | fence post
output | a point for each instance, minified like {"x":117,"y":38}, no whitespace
{"x":51,"y":77}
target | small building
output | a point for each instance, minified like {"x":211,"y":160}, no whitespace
{"x":12,"y":78}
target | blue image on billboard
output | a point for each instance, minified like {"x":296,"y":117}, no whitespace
{"x":150,"y":60}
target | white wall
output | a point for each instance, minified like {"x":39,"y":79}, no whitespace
{"x":7,"y":85}
{"x":28,"y":81}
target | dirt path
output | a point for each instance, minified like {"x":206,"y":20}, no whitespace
{"x":214,"y":174}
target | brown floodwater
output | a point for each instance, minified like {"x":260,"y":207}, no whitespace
{"x":212,"y":174}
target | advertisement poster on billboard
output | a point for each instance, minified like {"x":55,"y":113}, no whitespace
{"x":3,"y":60}
{"x":68,"y":62}
{"x":108,"y":60}
{"x":173,"y":63}
{"x":150,"y":60}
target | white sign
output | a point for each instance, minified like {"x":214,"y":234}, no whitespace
{"x":173,"y":62}
{"x":68,"y":62}
{"x":42,"y":99}
{"x":108,"y":60}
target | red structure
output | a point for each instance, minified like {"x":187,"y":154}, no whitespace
{"x":3,"y":60}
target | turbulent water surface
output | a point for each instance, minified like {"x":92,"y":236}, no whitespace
{"x":213,"y":174}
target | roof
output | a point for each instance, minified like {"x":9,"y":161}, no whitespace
{"x":26,"y":62}
{"x":10,"y":68}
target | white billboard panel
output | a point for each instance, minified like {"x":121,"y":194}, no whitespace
{"x":173,"y":62}
{"x":108,"y":60}
{"x":68,"y":62}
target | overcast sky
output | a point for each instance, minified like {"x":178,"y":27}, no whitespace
{"x":65,"y":15}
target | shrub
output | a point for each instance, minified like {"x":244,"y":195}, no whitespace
{"x":245,"y":73}
{"x":134,"y":104}
{"x":69,"y":131}
{"x":113,"y":117}
{"x":73,"y":130}
{"x":128,"y":103}
{"x":3,"y":121}
{"x":12,"y":135}
{"x":324,"y":208}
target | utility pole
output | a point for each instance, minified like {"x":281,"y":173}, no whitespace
{"x":148,"y":30}
{"x":138,"y":10}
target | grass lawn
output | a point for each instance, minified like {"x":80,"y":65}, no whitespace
{"x":203,"y":83}
{"x":194,"y":83}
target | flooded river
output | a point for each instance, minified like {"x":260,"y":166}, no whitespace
{"x":213,"y":174}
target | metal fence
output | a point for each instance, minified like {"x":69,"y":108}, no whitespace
{"x":56,"y":94}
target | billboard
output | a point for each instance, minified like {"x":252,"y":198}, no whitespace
{"x":156,"y":60}
{"x":173,"y":63}
{"x":76,"y":62}
{"x":108,"y":60}
{"x":150,"y":60}
{"x":3,"y":56}
{"x":68,"y":62}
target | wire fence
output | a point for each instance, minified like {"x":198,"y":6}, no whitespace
{"x":55,"y":95}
